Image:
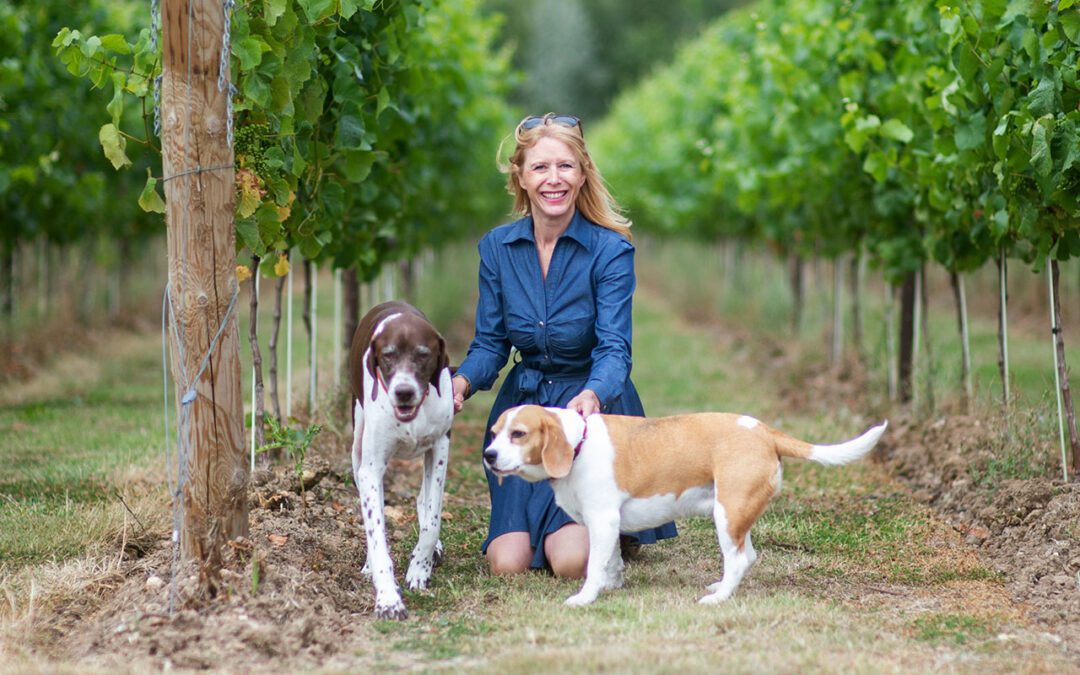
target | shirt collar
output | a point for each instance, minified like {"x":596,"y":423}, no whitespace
{"x":578,"y":230}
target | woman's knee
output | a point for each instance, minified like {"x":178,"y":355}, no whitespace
{"x":569,"y":563}
{"x":567,"y":551}
{"x":510,"y":553}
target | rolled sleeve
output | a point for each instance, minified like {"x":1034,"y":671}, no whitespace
{"x":615,"y":283}
{"x":490,"y":347}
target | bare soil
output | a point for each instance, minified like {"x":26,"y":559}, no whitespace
{"x":1027,"y":529}
{"x":291,"y":595}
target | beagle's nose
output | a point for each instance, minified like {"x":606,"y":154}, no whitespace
{"x":490,"y":455}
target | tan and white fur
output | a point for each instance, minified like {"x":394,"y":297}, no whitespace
{"x":634,"y":473}
{"x":402,"y":408}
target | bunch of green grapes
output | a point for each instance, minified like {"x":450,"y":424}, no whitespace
{"x":250,"y":143}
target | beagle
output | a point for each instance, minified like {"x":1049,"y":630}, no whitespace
{"x":616,"y":473}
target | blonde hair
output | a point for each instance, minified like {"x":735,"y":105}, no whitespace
{"x":593,"y":200}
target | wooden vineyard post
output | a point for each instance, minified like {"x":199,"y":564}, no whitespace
{"x":907,"y":337}
{"x":288,"y":340}
{"x":960,"y":295}
{"x":890,"y":340}
{"x":1066,"y":415}
{"x":197,"y":161}
{"x":1003,"y":327}
{"x":837,"y":351}
{"x":336,"y":346}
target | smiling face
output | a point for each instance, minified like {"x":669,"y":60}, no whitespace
{"x":551,"y":174}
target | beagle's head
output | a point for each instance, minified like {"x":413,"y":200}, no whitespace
{"x":532,"y":442}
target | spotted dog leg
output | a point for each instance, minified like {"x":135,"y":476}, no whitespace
{"x":369,"y":468}
{"x":429,"y":512}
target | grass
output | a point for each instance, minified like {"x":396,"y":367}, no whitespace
{"x":956,"y":629}
{"x":853,"y":574}
{"x":69,"y":451}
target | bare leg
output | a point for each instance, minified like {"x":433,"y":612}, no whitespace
{"x":567,"y":551}
{"x":510,"y":553}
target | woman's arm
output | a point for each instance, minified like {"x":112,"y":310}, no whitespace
{"x":615,"y":283}
{"x":490,"y":346}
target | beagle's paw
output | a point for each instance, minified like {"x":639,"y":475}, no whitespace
{"x":580,"y":599}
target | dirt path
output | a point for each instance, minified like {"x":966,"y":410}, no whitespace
{"x":855,"y":574}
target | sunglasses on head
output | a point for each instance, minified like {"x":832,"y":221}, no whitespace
{"x":533,"y":121}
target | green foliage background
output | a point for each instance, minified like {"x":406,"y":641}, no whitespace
{"x":366,"y":128}
{"x":53,"y":180}
{"x":915,"y":131}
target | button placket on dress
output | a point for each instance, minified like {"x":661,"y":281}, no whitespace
{"x":551,"y":286}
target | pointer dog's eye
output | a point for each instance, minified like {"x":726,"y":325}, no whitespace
{"x":517,"y":434}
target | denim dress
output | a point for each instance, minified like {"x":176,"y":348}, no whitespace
{"x":571,"y":331}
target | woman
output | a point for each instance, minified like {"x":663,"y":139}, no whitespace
{"x":556,"y":285}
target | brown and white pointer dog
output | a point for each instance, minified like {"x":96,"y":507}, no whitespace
{"x":402,"y":408}
{"x":616,"y":473}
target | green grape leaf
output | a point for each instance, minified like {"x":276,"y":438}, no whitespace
{"x":897,"y":131}
{"x":116,"y":105}
{"x":116,"y":43}
{"x":257,"y":89}
{"x":876,"y":165}
{"x":1043,"y":98}
{"x":149,"y":199}
{"x":1041,"y":159}
{"x":249,"y":51}
{"x":349,"y":7}
{"x":114,"y":144}
{"x":383,"y":100}
{"x":1070,"y":22}
{"x":274,"y":10}
{"x":971,"y":134}
{"x":317,"y":10}
{"x":247,"y":234}
{"x":356,"y":165}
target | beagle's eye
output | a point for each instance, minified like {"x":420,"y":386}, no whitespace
{"x":517,"y":434}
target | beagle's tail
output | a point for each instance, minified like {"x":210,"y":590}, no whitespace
{"x":842,"y":453}
{"x":833,"y":455}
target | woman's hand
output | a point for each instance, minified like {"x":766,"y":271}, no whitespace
{"x":461,"y":390}
{"x":585,"y":403}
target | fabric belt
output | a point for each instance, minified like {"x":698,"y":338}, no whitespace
{"x":528,"y":378}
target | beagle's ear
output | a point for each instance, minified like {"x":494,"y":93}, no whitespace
{"x":442,"y":361}
{"x":372,"y":365}
{"x":556,"y":454}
